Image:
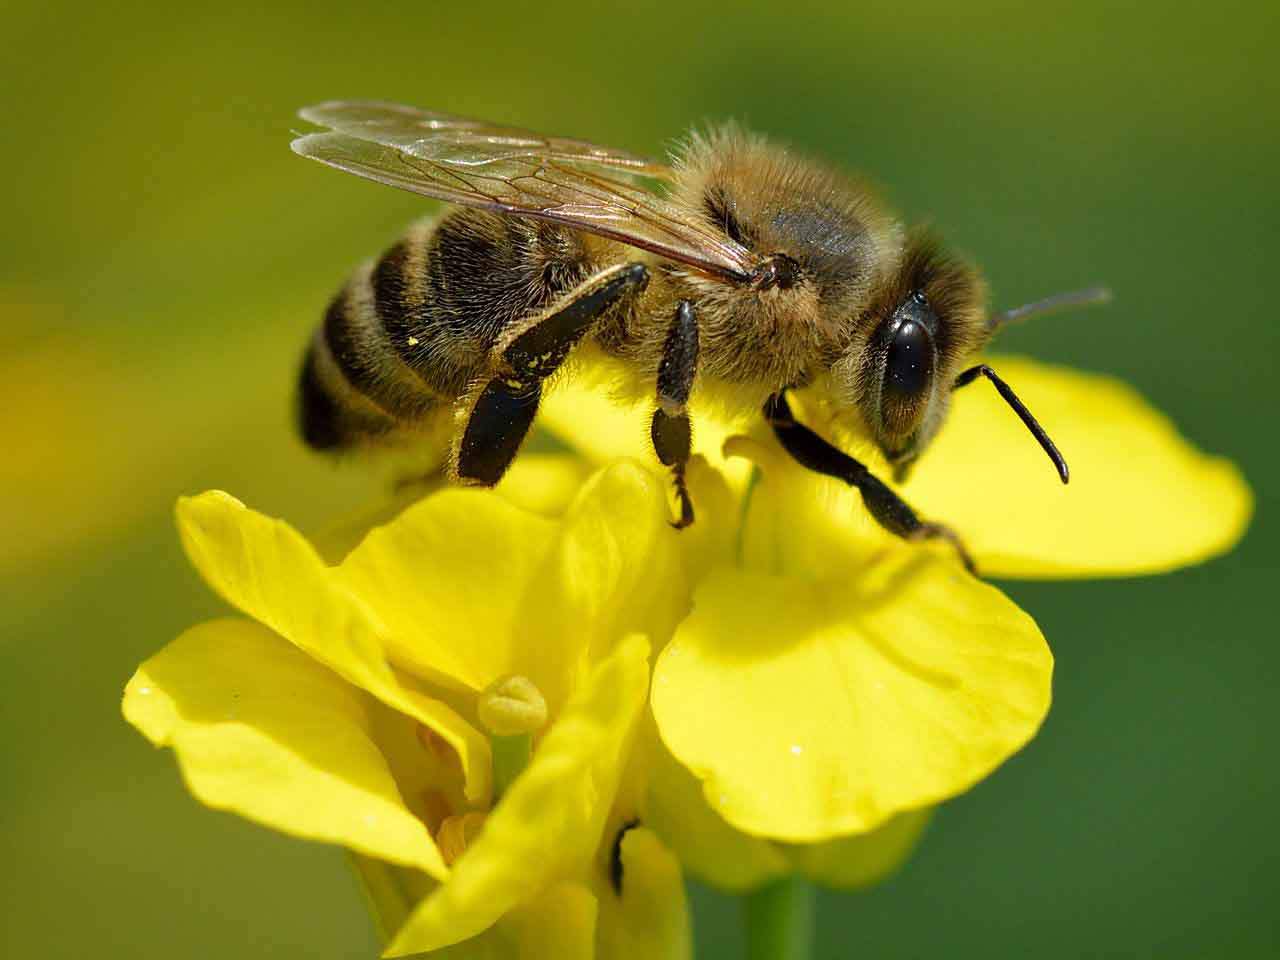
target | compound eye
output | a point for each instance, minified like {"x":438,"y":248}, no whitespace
{"x":908,"y":376}
{"x":909,"y":366}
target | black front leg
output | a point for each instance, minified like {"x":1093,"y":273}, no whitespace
{"x":670,"y":429}
{"x":889,"y":510}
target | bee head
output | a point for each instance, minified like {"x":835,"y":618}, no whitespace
{"x":920,"y":329}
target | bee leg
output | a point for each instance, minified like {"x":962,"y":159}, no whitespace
{"x":889,"y":510}
{"x":534,"y":348}
{"x":501,"y":410}
{"x":500,"y":417}
{"x":670,"y":429}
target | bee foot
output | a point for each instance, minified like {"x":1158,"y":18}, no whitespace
{"x":937,"y":531}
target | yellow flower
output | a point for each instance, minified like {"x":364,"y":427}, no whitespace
{"x":818,"y":685}
{"x":832,"y":682}
{"x":353,"y":711}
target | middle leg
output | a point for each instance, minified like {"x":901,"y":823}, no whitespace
{"x":670,"y":430}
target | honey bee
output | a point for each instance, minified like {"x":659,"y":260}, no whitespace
{"x":738,"y":269}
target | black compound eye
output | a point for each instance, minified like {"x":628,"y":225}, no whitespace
{"x":908,"y":370}
{"x":906,"y":358}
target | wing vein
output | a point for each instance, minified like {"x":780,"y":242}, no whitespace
{"x":519,"y":173}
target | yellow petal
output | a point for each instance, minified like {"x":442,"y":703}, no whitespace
{"x":815,"y":708}
{"x":336,"y":541}
{"x":865,"y":859}
{"x":649,"y":918}
{"x":264,"y":731}
{"x":549,"y":824}
{"x":468,"y":587}
{"x":589,"y":414}
{"x":541,"y":483}
{"x":269,"y":571}
{"x":544,"y":483}
{"x":444,"y":582}
{"x":714,"y":536}
{"x":604,"y":415}
{"x":614,"y":569}
{"x":390,"y":891}
{"x":1141,"y":498}
{"x":800,"y":523}
{"x":709,"y":848}
{"x":558,"y":924}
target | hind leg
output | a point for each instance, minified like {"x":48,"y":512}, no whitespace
{"x":501,"y":409}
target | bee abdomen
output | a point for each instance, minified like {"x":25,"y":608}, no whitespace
{"x":410,"y":300}
{"x":355,"y":386}
{"x":412,"y":332}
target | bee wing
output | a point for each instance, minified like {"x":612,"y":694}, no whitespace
{"x":518,"y":172}
{"x":447,"y":137}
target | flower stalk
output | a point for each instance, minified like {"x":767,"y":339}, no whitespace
{"x":510,"y":756}
{"x":779,"y":919}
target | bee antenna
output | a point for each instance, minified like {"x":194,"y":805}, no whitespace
{"x":1011,"y":398}
{"x":1059,"y":301}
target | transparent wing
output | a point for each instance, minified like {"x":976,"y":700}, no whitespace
{"x":441,"y":136}
{"x":520,"y":173}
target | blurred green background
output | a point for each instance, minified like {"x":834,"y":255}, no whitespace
{"x":164,"y":255}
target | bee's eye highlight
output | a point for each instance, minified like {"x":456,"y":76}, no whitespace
{"x":908,"y":367}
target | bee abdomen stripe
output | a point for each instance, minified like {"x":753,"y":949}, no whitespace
{"x":413,"y":329}
{"x":318,"y":414}
{"x":412,"y":322}
{"x":344,"y":348}
{"x":392,"y":302}
{"x":330,"y":415}
{"x":354,"y":336}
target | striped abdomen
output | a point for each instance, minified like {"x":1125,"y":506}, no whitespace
{"x":410,"y":333}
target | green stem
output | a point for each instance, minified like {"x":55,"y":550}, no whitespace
{"x":780,"y":920}
{"x":510,"y":756}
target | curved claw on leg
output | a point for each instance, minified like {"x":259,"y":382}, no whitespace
{"x":937,"y":531}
